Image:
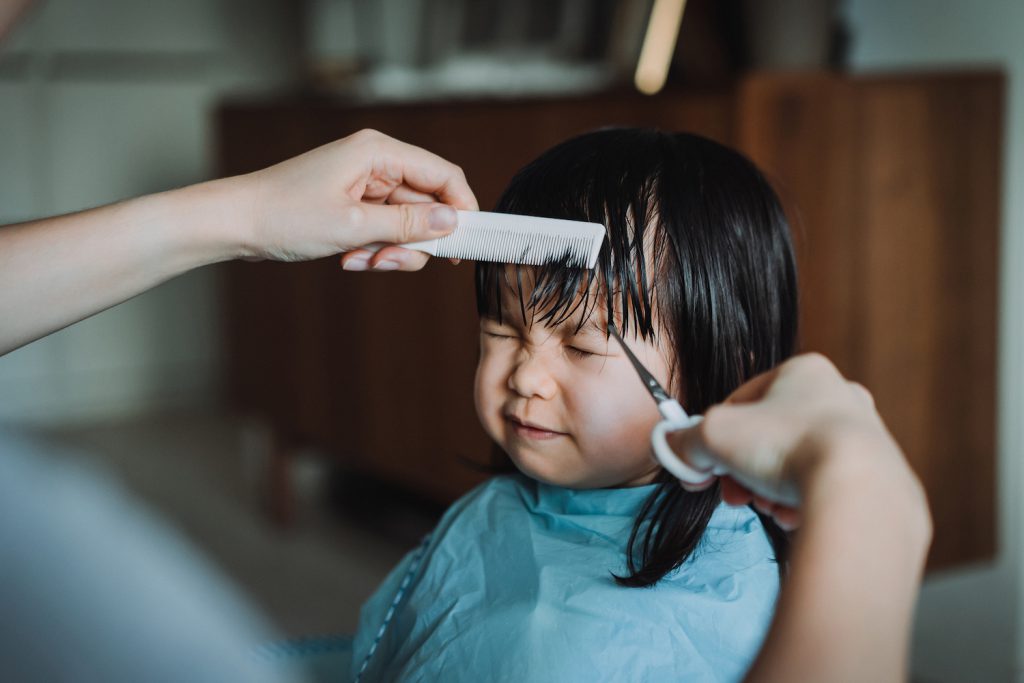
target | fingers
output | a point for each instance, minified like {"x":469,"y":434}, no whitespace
{"x":733,"y":493}
{"x":769,"y":433}
{"x":807,"y":363}
{"x":411,"y":181}
{"x":788,"y":518}
{"x":403,"y":194}
{"x":428,"y":173}
{"x":387,"y":259}
{"x":754,"y":388}
{"x":736,"y":494}
{"x":401,"y":223}
{"x":863,"y":394}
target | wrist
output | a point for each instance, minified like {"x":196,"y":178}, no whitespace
{"x":211,"y":221}
{"x":864,"y":473}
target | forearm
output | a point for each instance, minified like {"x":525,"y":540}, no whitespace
{"x":57,"y":271}
{"x":359,"y":190}
{"x":845,"y":610}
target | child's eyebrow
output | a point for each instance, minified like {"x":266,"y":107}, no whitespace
{"x":591,"y":327}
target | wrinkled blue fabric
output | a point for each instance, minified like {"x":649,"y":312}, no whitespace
{"x":515,"y":584}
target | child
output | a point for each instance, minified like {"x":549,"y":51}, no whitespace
{"x":592,"y":564}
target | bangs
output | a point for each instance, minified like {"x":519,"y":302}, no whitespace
{"x":575,"y":182}
{"x":558,"y":292}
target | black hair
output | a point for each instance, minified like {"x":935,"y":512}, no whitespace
{"x":698,"y":246}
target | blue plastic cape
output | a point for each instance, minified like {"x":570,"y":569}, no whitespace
{"x":515,"y":584}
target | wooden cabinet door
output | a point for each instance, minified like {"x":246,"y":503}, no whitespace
{"x":893,"y":187}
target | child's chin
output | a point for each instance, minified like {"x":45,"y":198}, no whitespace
{"x":544,"y":472}
{"x":541,"y":471}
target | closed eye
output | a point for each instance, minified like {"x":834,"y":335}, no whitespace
{"x":580,"y":353}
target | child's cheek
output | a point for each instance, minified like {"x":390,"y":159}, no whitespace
{"x":614,"y":421}
{"x":487,"y":392}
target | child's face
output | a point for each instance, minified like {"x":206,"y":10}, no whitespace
{"x":568,"y":406}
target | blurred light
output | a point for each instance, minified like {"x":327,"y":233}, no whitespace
{"x":659,"y":45}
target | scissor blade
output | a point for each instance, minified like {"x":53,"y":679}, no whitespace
{"x":657,"y":391}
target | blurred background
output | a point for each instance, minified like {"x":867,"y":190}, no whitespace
{"x":305,"y":426}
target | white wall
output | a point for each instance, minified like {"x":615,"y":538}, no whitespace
{"x":968,"y":621}
{"x":107,"y":99}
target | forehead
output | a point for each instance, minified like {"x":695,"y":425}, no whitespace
{"x":576,"y":306}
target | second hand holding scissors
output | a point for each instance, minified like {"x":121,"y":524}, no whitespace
{"x":675,"y":418}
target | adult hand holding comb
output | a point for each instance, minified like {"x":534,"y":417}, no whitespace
{"x":362,"y":189}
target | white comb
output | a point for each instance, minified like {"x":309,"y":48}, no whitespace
{"x":509,"y":238}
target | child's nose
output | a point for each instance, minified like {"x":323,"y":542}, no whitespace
{"x":530,"y":377}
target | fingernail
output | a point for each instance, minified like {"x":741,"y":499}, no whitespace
{"x":359,"y":262}
{"x":387,"y":265}
{"x":443,"y":219}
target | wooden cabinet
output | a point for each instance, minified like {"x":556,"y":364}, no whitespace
{"x":892,"y":185}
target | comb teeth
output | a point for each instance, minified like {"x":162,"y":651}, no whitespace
{"x":506,"y":238}
{"x":508,"y":246}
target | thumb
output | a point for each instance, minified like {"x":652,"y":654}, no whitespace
{"x":400,"y":223}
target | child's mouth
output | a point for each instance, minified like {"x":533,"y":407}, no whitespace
{"x":531,"y":431}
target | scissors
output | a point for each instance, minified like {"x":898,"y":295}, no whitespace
{"x":675,"y":418}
